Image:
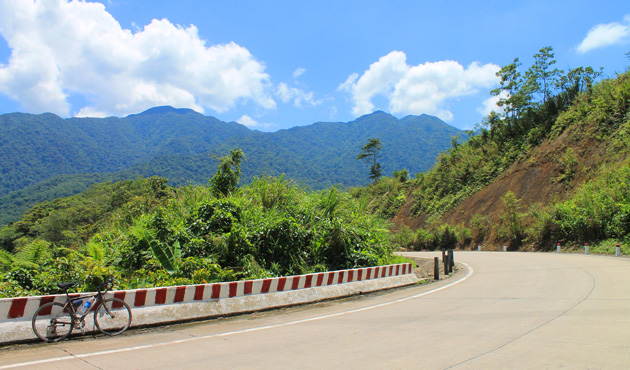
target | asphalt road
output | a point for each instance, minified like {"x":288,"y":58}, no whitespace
{"x":505,"y":311}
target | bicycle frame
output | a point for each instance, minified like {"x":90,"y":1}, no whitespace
{"x":80,"y":318}
{"x":70,"y":303}
{"x":112,"y":316}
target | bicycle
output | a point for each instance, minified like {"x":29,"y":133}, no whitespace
{"x":54,"y":321}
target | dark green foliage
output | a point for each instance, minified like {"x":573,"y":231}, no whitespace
{"x":599,"y":210}
{"x":146,"y":233}
{"x":511,"y":227}
{"x":55,"y":158}
{"x":217,"y":216}
{"x":168,"y":256}
{"x":401,"y":175}
{"x":39,"y":147}
{"x":226,"y":179}
{"x":17,"y":202}
{"x":370,"y":152}
{"x":71,"y":221}
{"x":435,"y":237}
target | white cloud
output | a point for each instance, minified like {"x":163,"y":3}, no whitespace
{"x":247,"y":121}
{"x":380,"y":78}
{"x":348,"y":85}
{"x":297,"y":96}
{"x":605,"y":35}
{"x":90,"y":112}
{"x":298,"y":72}
{"x":59,"y":48}
{"x":490,"y":104}
{"x":424,"y":88}
{"x":253,"y":124}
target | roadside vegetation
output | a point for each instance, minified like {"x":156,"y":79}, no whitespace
{"x":146,"y":234}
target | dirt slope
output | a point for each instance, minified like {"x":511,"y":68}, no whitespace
{"x":535,"y":179}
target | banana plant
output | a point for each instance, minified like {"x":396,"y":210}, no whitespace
{"x":169,"y":257}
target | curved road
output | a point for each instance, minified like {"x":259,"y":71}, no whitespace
{"x":506,"y":310}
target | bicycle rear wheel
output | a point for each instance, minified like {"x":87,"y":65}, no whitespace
{"x":112,"y":316}
{"x":52,"y":322}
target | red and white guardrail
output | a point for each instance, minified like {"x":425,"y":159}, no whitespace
{"x":23,"y":308}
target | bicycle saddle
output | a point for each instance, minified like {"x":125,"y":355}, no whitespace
{"x":65,"y":286}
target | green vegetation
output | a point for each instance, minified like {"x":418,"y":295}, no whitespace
{"x":224,"y":182}
{"x":541,"y":105}
{"x":146,"y":233}
{"x":385,"y":197}
{"x":598,"y":210}
{"x":369,"y":152}
{"x":46,"y":157}
{"x":503,"y":138}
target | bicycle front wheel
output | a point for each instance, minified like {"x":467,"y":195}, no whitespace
{"x":112,"y":316}
{"x":52,"y":322}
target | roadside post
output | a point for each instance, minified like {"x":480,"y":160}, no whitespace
{"x":618,"y":250}
{"x":504,"y":248}
{"x":586,"y":248}
{"x":558,"y":247}
{"x":451,"y":260}
{"x":436,"y":268}
{"x":445,"y":261}
{"x":479,"y":248}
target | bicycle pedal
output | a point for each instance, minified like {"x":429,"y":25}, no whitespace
{"x":80,"y":325}
{"x":51,"y":331}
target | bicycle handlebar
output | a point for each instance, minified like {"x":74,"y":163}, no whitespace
{"x":105,"y":285}
{"x":102,"y":288}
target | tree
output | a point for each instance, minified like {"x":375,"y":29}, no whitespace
{"x":369,"y":152}
{"x":401,"y":175}
{"x":511,"y":219}
{"x":540,"y":77}
{"x":228,"y":173}
{"x":576,"y":81}
{"x":514,"y":93}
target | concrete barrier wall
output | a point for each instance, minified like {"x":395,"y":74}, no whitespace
{"x":189,"y":302}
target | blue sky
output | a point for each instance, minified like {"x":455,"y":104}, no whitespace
{"x":277,"y":64}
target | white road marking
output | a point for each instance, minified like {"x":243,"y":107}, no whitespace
{"x":92,"y":354}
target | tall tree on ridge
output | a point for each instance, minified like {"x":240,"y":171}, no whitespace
{"x":514,"y":93}
{"x":540,"y":77}
{"x":369,"y":152}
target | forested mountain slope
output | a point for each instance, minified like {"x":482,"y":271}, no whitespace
{"x":324,"y":154}
{"x":35,"y":148}
{"x":44,"y":157}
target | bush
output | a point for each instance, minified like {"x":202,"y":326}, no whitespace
{"x":600,"y":209}
{"x":511,"y":227}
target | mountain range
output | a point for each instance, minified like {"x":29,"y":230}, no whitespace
{"x":44,"y":156}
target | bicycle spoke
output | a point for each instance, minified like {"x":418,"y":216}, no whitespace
{"x":112,"y":316}
{"x":52,"y":322}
